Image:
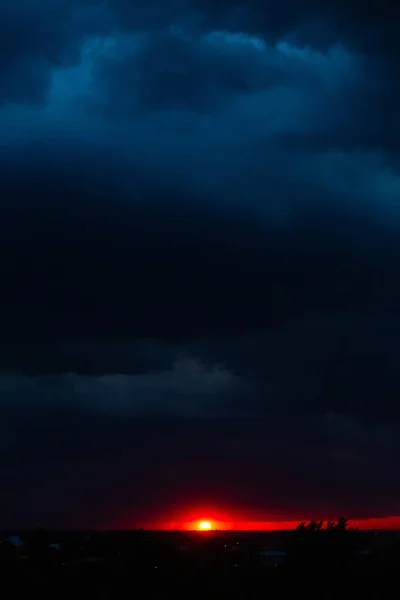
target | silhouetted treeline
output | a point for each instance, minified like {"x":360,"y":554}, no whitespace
{"x":317,"y":560}
{"x":334,"y":548}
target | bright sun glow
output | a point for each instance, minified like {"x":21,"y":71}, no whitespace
{"x":204,"y":525}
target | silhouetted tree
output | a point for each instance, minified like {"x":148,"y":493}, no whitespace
{"x":328,"y":550}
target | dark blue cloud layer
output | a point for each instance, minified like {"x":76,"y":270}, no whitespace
{"x":200,"y":256}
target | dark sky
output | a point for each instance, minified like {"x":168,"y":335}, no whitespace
{"x":200,"y":260}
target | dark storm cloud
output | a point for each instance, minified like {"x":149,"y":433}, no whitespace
{"x":317,"y":23}
{"x":197,"y":64}
{"x":35,"y":39}
{"x":341,"y":364}
{"x":324,"y":100}
{"x":207,"y":121}
{"x":344,"y":364}
{"x":187,"y":387}
{"x":173,"y":71}
{"x":369,"y":32}
{"x":199,"y":230}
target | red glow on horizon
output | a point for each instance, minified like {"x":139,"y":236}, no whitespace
{"x":387,"y":523}
{"x":234,"y":519}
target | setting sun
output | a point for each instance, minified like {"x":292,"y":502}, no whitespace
{"x":204,"y":525}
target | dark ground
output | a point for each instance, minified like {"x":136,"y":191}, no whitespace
{"x":313,"y":562}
